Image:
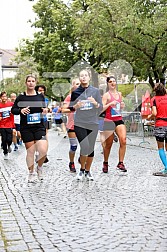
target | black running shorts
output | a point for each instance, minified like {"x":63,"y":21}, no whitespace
{"x":33,"y":134}
{"x":160,"y":134}
{"x":111,"y":125}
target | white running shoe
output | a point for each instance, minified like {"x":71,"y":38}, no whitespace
{"x":80,"y":175}
{"x":6,"y":157}
{"x":89,"y":176}
{"x":32,"y":177}
{"x":40,"y":173}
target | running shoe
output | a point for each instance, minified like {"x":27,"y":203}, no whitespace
{"x":80,"y":175}
{"x":89,"y":176}
{"x":31,"y":177}
{"x":15,"y":148}
{"x":6,"y":157}
{"x":162,"y":173}
{"x":40,"y":173}
{"x":20,"y":142}
{"x":121,"y":167}
{"x":72,"y":167}
{"x":105,"y":167}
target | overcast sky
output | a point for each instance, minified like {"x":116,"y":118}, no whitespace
{"x":14,"y":26}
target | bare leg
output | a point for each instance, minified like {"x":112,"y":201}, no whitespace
{"x":107,"y":141}
{"x":41,"y":147}
{"x":14,"y":140}
{"x":63,"y":128}
{"x":19,"y":135}
{"x":88,"y":163}
{"x":83,"y":160}
{"x":121,"y":133}
{"x":30,"y":147}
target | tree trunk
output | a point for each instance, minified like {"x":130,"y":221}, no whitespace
{"x":151,"y":80}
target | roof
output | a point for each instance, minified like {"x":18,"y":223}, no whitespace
{"x":8,"y":57}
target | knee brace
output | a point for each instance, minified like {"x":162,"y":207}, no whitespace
{"x":73,"y":144}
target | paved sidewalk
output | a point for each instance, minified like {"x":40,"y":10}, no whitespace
{"x":116,"y":212}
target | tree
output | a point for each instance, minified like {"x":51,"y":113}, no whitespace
{"x":125,"y":29}
{"x":53,"y":47}
{"x":16,"y":84}
{"x":100,"y":31}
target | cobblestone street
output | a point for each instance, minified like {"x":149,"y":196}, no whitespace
{"x":115,"y":212}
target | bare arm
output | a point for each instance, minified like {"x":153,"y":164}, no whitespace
{"x":105,"y":99}
{"x":154,"y":111}
{"x":65,"y":108}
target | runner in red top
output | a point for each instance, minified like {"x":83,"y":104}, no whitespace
{"x":6,"y":123}
{"x":159,"y":110}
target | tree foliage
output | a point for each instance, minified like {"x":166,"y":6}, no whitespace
{"x":53,"y":45}
{"x":132,"y":30}
{"x":100,"y":31}
{"x":17,"y":84}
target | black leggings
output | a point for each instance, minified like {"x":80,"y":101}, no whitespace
{"x":6,"y":135}
{"x":86,"y":138}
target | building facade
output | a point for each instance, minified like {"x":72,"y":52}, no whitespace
{"x":8,"y":68}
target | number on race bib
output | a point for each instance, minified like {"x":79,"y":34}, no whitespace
{"x":33,"y":118}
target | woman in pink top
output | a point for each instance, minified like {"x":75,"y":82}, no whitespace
{"x":112,"y":105}
{"x":70,"y":125}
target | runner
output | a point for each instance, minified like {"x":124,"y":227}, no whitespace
{"x":16,"y":131}
{"x":56,"y":111}
{"x":42,"y":89}
{"x":112,"y":105}
{"x":159,"y":111}
{"x":70,"y":126}
{"x":6,"y":124}
{"x":31,"y":105}
{"x":86,"y":101}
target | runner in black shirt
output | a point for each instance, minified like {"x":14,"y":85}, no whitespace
{"x":31,"y":107}
{"x":87,"y":103}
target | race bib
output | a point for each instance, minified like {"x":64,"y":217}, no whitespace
{"x":87,"y":105}
{"x":33,"y":118}
{"x":5,"y":114}
{"x":17,"y":119}
{"x":116,"y":111}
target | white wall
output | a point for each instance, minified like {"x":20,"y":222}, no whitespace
{"x":8,"y":73}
